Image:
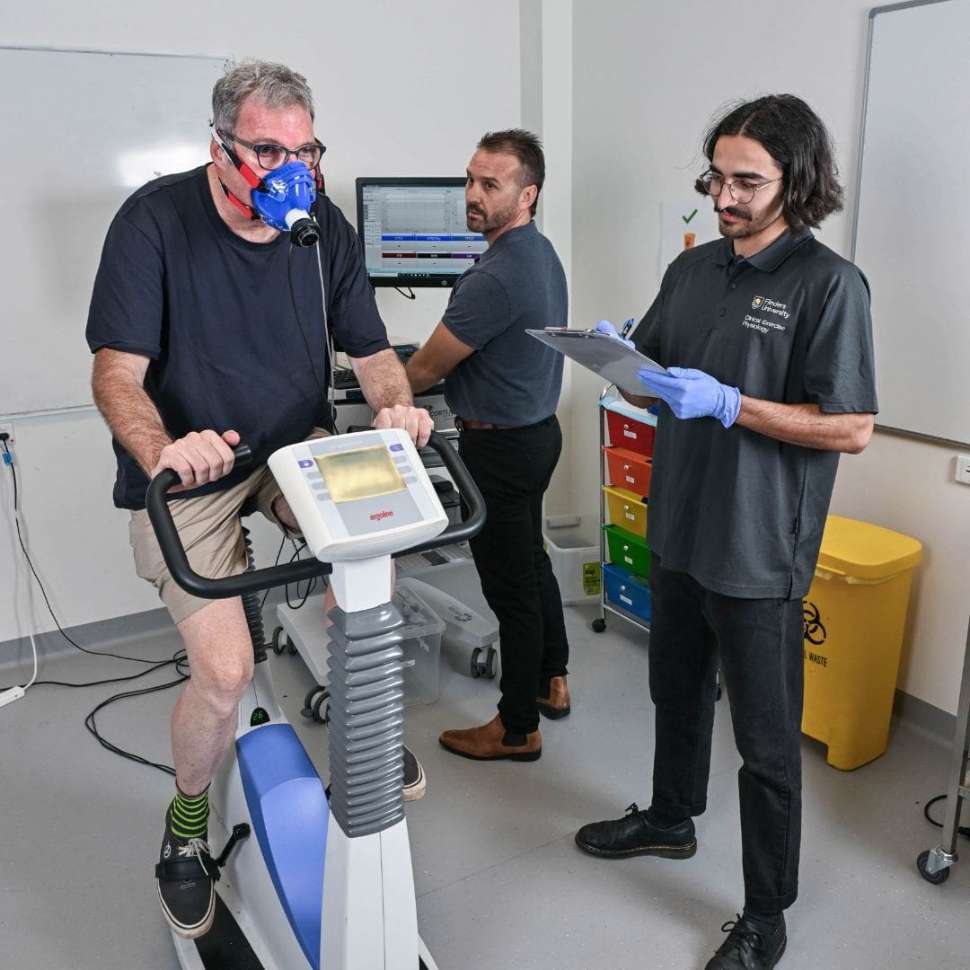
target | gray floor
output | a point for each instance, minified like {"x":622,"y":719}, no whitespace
{"x":499,"y":880}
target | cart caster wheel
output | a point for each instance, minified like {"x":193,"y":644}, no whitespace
{"x":321,"y":708}
{"x":934,"y":877}
{"x":483,"y":663}
{"x":280,"y":641}
{"x":316,"y":697}
{"x":599,"y":625}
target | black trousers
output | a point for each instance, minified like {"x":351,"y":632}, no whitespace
{"x":758,"y":644}
{"x":512,"y":467}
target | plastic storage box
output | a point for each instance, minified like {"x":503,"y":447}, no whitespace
{"x":629,"y":470}
{"x":627,"y":591}
{"x":575,"y":556}
{"x":628,"y":551}
{"x":626,"y":510}
{"x":854,"y":617}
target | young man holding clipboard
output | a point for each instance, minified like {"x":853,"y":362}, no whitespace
{"x":766,"y":337}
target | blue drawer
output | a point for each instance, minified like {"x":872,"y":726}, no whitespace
{"x":629,"y":592}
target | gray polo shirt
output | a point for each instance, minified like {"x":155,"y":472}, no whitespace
{"x":740,"y":512}
{"x":511,"y":379}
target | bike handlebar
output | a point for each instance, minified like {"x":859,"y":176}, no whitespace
{"x":156,"y":502}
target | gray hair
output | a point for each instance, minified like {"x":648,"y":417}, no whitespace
{"x":276,"y":85}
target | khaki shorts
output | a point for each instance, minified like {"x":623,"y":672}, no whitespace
{"x":211,"y":532}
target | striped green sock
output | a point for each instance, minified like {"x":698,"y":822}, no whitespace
{"x":189,"y":815}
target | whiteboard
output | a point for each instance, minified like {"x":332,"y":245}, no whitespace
{"x":912,"y":232}
{"x":84,"y":129}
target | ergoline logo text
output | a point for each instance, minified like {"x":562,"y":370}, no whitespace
{"x":384,"y":514}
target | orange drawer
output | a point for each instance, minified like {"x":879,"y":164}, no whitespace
{"x":629,"y":470}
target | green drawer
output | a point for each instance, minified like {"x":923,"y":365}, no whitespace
{"x":629,"y":551}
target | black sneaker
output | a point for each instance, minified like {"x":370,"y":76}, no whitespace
{"x":186,"y":878}
{"x":748,"y":949}
{"x":634,"y":835}
{"x":415,"y":784}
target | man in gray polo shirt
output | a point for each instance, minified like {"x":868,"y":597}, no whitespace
{"x":767,"y":338}
{"x":504,"y":387}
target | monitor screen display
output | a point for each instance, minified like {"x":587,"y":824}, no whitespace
{"x":414,"y":231}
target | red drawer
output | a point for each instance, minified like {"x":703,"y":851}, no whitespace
{"x":629,"y":470}
{"x":630,"y":434}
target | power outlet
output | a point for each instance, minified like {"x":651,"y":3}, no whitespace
{"x":7,"y":429}
{"x":962,"y":472}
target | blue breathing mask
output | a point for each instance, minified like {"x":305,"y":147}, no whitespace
{"x":283,"y":199}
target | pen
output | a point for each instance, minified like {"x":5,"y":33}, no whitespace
{"x":627,"y":327}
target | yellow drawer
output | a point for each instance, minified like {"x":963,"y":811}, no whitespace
{"x":626,"y":510}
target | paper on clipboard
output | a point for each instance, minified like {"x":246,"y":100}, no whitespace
{"x":612,"y":359}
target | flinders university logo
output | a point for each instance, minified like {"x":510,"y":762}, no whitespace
{"x":757,"y":303}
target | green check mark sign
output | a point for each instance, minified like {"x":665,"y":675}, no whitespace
{"x":687,"y":219}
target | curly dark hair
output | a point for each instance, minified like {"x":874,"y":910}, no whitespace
{"x":799,"y":143}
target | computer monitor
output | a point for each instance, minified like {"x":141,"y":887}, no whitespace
{"x":414,"y":231}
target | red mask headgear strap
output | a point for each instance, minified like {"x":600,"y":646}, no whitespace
{"x":247,"y":173}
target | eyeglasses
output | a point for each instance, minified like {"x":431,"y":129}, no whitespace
{"x":271,"y":156}
{"x":741,"y":190}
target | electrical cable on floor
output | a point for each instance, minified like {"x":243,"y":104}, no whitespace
{"x":181,"y":666}
{"x":964,"y":830}
{"x":178,"y":659}
{"x":9,"y":462}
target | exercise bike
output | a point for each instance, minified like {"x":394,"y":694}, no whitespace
{"x":311,"y":877}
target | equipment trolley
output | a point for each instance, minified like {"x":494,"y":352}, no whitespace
{"x":934,"y":864}
{"x":626,"y":435}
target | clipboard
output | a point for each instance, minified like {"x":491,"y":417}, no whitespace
{"x":612,"y":359}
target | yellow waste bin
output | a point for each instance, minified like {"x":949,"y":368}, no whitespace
{"x":854,"y":617}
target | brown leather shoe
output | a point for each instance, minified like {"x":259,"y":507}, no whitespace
{"x":556,"y":705}
{"x":490,"y":743}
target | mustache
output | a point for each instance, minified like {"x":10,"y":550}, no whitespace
{"x":732,"y":211}
{"x":469,"y":209}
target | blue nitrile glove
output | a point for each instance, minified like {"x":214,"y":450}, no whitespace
{"x":604,"y":326}
{"x":693,"y":394}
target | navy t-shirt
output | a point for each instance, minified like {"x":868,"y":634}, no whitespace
{"x":233,"y":329}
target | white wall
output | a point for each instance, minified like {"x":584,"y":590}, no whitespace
{"x":648,"y":80}
{"x":551,"y":75}
{"x":400,"y":90}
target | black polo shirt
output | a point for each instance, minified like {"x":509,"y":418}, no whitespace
{"x":233,"y":329}
{"x":740,"y":512}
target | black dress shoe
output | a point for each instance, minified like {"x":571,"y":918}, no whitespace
{"x":747,"y":948}
{"x":634,"y":835}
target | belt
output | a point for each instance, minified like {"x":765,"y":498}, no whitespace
{"x":466,"y":423}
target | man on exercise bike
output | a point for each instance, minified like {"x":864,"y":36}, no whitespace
{"x":209,"y":327}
